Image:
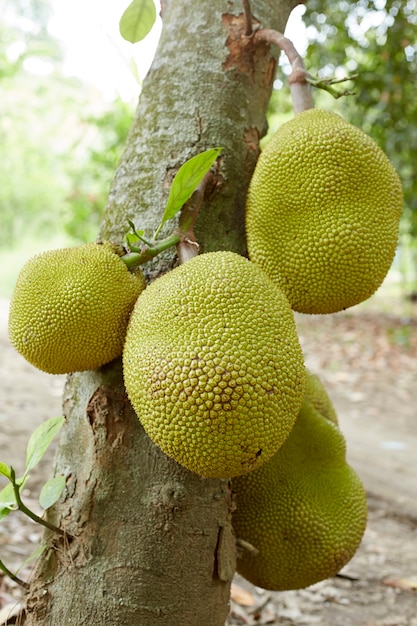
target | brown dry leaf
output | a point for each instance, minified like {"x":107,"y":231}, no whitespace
{"x":406,"y":584}
{"x":241,"y":596}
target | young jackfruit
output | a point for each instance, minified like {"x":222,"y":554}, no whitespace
{"x":323,"y":212}
{"x":70,"y":308}
{"x":304,"y":511}
{"x":213,"y":366}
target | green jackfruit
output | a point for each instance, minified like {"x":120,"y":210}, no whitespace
{"x":70,"y":308}
{"x":213,"y":366}
{"x":316,"y":395}
{"x":323,"y":212}
{"x":304,"y":511}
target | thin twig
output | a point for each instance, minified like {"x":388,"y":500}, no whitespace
{"x":24,"y":509}
{"x":15,"y":578}
{"x":299,"y":85}
{"x":248,"y":18}
{"x":327,"y":85}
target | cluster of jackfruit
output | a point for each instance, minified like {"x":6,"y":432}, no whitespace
{"x":323,"y":213}
{"x":211,"y":359}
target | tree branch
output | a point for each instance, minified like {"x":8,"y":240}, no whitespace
{"x":298,"y":79}
{"x":248,"y":18}
{"x":12,"y":576}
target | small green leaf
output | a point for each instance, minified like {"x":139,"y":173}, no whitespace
{"x":137,"y":20}
{"x":5,"y":470}
{"x":40,"y":440}
{"x":132,"y":238}
{"x":4,"y":512}
{"x":188,"y":177}
{"x":51,"y":491}
{"x":7,"y":500}
{"x":7,"y":496}
{"x":35,"y":554}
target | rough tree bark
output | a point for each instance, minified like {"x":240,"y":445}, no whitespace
{"x":148,"y":542}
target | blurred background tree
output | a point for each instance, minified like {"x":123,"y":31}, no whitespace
{"x":60,"y":142}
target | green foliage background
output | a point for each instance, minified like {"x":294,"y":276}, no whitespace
{"x":60,"y":142}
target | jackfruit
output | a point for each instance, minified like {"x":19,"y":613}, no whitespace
{"x":70,"y":308}
{"x":304,"y":511}
{"x":317,"y":396}
{"x":213,"y":366}
{"x":323,"y":212}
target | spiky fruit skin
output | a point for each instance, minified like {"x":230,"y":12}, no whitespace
{"x":323,"y":212}
{"x":70,"y":308}
{"x":305,"y":510}
{"x":213,"y":366}
{"x":316,"y":395}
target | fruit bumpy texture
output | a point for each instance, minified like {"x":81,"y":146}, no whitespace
{"x":305,"y":510}
{"x":70,"y":308}
{"x":316,"y":395}
{"x":323,"y":212}
{"x":213,"y":366}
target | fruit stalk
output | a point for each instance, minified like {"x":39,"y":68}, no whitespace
{"x":300,"y":89}
{"x":187,"y":247}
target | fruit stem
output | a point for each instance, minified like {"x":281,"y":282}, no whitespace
{"x":187,"y":247}
{"x":301,"y":96}
{"x":248,"y":18}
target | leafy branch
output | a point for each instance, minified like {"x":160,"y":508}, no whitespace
{"x":186,"y":193}
{"x":10,"y":496}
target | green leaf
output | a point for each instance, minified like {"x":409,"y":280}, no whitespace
{"x":4,"y":512}
{"x":188,"y":177}
{"x":5,"y":470}
{"x":137,"y":20}
{"x":7,"y":500}
{"x":51,"y":491}
{"x":40,"y":440}
{"x":7,"y":496}
{"x":35,"y":554}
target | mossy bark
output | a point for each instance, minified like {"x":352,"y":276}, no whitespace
{"x":149,"y":542}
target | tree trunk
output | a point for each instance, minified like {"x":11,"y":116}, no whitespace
{"x":149,"y":542}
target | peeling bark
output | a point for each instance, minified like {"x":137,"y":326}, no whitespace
{"x":149,"y":542}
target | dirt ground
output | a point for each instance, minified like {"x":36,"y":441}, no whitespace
{"x":368,"y":362}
